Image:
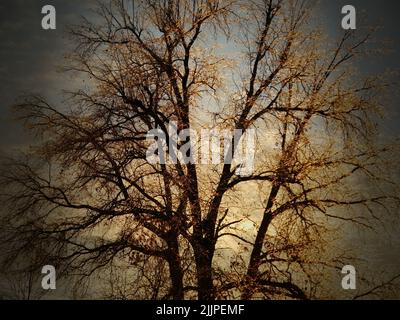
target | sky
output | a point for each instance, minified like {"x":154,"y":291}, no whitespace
{"x":30,"y":57}
{"x":30,"y":61}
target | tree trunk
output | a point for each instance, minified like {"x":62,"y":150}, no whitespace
{"x":175,"y":270}
{"x":204,"y":276}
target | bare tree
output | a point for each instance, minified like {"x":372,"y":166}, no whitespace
{"x":99,"y":204}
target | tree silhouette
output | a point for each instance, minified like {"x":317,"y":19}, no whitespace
{"x":88,"y":193}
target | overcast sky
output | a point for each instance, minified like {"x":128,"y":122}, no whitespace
{"x":30,"y":57}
